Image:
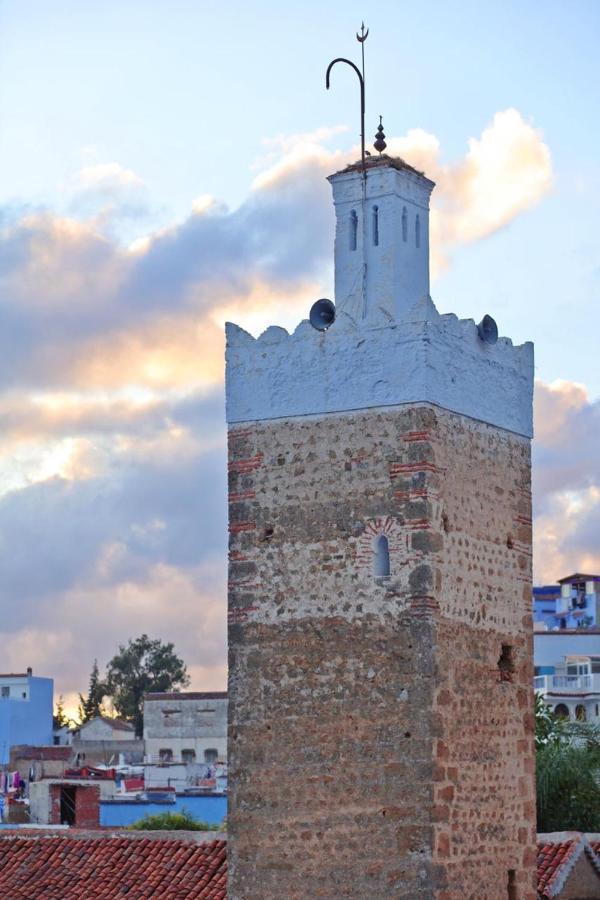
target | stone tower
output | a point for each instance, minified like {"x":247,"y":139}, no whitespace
{"x":380,"y":676}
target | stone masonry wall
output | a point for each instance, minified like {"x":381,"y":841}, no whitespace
{"x":400,"y":706}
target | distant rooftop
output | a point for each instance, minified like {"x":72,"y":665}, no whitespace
{"x":578,"y":576}
{"x":120,"y":724}
{"x":187,"y":695}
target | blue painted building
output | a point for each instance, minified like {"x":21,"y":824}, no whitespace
{"x":572,"y":603}
{"x":25,"y":711}
{"x":211,"y":808}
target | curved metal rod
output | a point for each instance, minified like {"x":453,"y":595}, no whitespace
{"x":342,"y":59}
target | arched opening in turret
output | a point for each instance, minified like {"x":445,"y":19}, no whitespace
{"x":381,"y":557}
{"x":404,"y":224}
{"x":375,"y":226}
{"x":353,"y":229}
{"x":417,"y":232}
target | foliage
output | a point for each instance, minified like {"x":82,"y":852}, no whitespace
{"x":549,"y":728}
{"x":567,"y":772}
{"x":143,"y":665}
{"x":60,"y":719}
{"x":91,"y":706}
{"x":173,"y":821}
{"x":568,"y":789}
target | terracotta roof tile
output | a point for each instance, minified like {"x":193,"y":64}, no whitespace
{"x":45,"y":866}
{"x":556,"y":860}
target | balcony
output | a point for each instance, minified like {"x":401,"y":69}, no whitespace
{"x":567,"y":684}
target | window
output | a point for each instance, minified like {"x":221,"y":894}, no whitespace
{"x":561,"y":711}
{"x":188,"y":756}
{"x":165,"y":754}
{"x":580,"y":712}
{"x":375,"y":226}
{"x":417,"y":232}
{"x":578,"y":668}
{"x":381,"y":557}
{"x":353,"y":229}
{"x":6,"y":692}
{"x":404,"y":224}
{"x":211,"y":755}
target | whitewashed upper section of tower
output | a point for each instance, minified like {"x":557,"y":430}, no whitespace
{"x":388,"y":344}
{"x":382,"y":231}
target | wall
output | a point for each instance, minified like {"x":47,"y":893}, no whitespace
{"x":428,"y":358}
{"x":189,"y":722}
{"x":87,"y":805}
{"x":583,"y":882}
{"x":361,"y":703}
{"x":103,"y":730}
{"x":397,"y":270}
{"x":207,"y":808}
{"x":44,"y":797}
{"x":107,"y":753}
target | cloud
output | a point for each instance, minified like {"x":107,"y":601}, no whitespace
{"x":112,"y":464}
{"x":566,"y":481}
{"x":106,"y":177}
{"x":505,"y":172}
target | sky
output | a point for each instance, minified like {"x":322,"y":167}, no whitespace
{"x":162,"y":170}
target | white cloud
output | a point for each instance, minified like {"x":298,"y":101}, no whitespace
{"x":106,"y":177}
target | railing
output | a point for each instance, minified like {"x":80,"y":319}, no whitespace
{"x":567,"y":684}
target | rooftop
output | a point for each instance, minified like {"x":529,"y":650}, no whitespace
{"x":41,"y":865}
{"x":382,"y":159}
{"x":119,"y":724}
{"x":557,"y":855}
{"x":578,"y":576}
{"x":103,"y":864}
{"x":187,"y":695}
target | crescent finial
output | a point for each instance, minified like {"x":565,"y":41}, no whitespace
{"x":361,"y":38}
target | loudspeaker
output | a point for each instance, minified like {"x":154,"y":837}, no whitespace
{"x":488,"y":330}
{"x":322,"y":314}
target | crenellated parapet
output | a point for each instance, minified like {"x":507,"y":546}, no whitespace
{"x":424,"y":358}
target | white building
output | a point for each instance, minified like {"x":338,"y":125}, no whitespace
{"x":189,"y":727}
{"x":567,"y":672}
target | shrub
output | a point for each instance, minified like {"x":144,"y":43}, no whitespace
{"x":172,"y":821}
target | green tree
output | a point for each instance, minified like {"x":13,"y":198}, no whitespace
{"x":91,"y":706}
{"x":59,"y":719}
{"x":568,"y":791}
{"x":143,"y":665}
{"x":567,"y":773}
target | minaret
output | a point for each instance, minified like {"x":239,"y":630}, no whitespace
{"x":380,"y":675}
